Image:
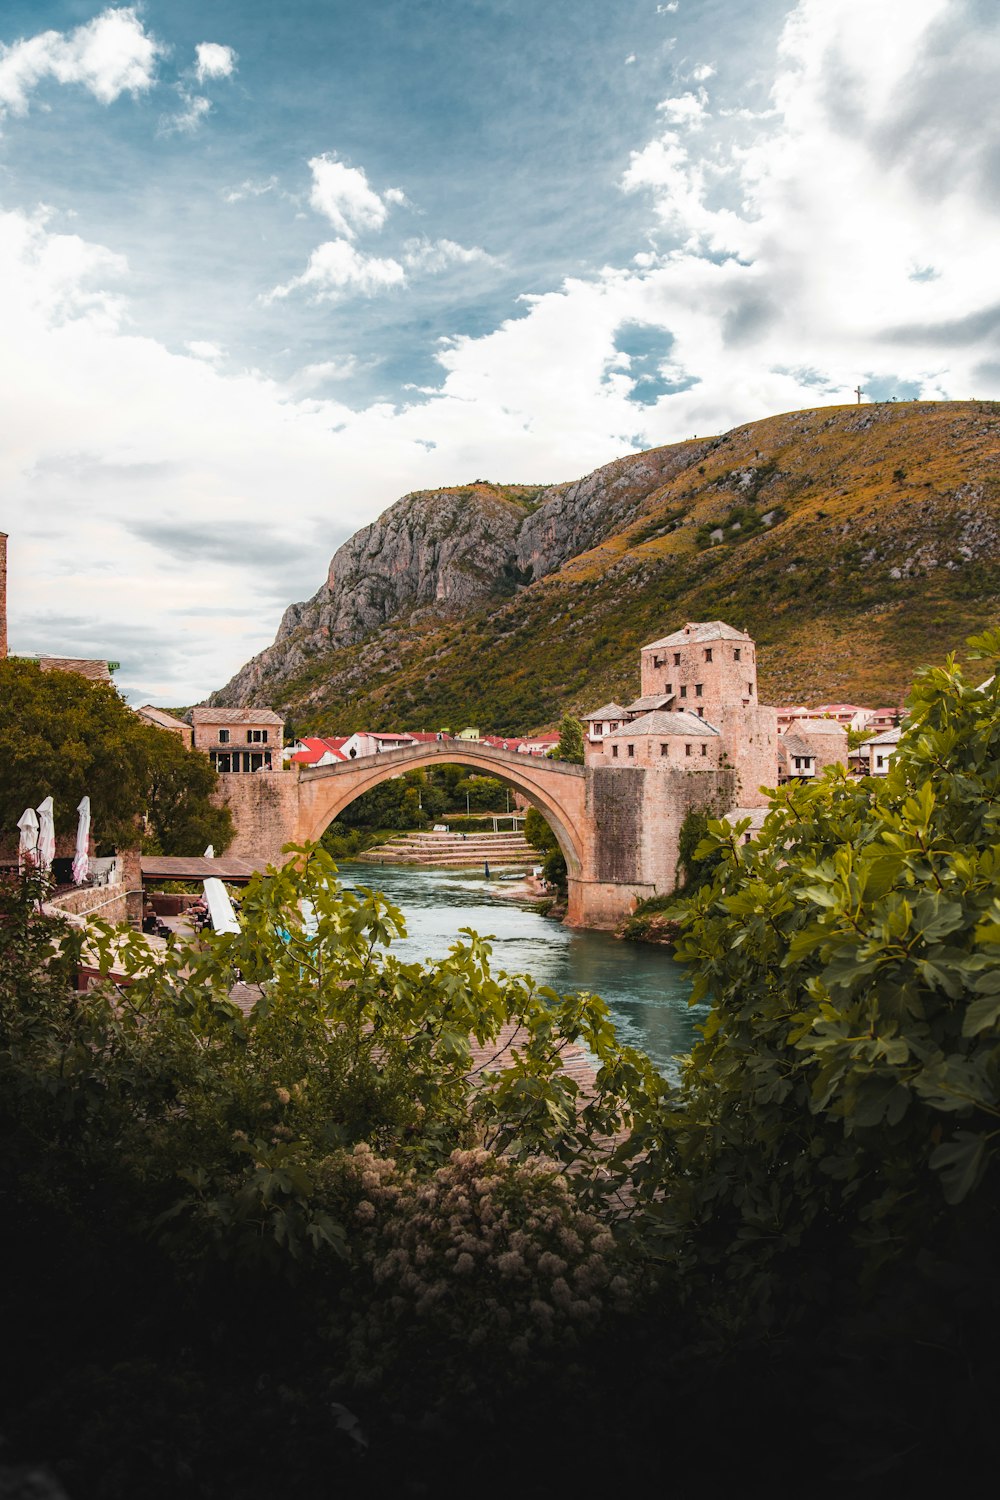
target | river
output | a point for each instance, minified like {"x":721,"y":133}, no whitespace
{"x":644,"y":989}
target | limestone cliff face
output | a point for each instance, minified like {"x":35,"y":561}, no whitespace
{"x":442,"y":551}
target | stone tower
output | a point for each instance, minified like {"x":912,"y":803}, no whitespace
{"x":710,"y":669}
{"x":706,"y":666}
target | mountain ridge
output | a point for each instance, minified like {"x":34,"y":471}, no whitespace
{"x":854,"y":542}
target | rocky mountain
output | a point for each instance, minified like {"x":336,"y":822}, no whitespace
{"x":856,"y":543}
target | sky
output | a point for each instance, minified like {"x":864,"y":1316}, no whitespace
{"x":263,"y":270}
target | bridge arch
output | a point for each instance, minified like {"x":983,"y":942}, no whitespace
{"x":556,"y":789}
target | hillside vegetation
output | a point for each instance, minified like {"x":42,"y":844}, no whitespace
{"x":855,"y":543}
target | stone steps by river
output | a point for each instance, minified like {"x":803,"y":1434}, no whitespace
{"x":453,"y":850}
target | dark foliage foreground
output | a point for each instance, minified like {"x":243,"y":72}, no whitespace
{"x":281,"y":1254}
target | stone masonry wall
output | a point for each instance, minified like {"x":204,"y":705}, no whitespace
{"x":615,"y":807}
{"x":107,"y":902}
{"x":750,"y":742}
{"x":265,"y":809}
{"x":636,"y":816}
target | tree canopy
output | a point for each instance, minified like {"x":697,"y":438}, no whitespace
{"x":66,"y":737}
{"x":570,"y":746}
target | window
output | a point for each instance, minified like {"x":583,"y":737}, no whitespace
{"x":668,"y":687}
{"x":701,"y":713}
{"x":687,"y":749}
{"x":664,"y":749}
{"x":684,"y":691}
{"x":708,"y":653}
{"x":750,"y":688}
{"x":614,"y":752}
{"x":798,"y":763}
{"x":677,"y":658}
{"x":223,"y":736}
{"x":613,"y":726}
{"x":256,"y":736}
{"x":697,"y":689}
{"x":631,"y":751}
{"x":704,"y":749}
{"x":737,"y":653}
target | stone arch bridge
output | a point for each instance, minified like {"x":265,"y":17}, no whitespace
{"x":618,"y":829}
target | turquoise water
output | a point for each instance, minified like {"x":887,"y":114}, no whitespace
{"x":644,"y":989}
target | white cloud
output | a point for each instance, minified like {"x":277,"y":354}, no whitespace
{"x":864,"y":168}
{"x":312,"y":376}
{"x":195,"y":108}
{"x":250,"y":189}
{"x":213,"y":60}
{"x":342,"y":194}
{"x":687,"y":109}
{"x":703,"y":71}
{"x":437,"y":255}
{"x":111,"y":55}
{"x":668,"y":9}
{"x":205,"y":349}
{"x":336,"y":267}
{"x":630,"y":59}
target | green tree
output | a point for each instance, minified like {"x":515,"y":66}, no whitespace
{"x":538,"y":833}
{"x":540,"y":836}
{"x":65,"y":737}
{"x":182,"y":818}
{"x":570,"y":746}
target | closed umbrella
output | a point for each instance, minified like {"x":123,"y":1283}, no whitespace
{"x":27,"y":849}
{"x":220,"y":908}
{"x":210,"y":852}
{"x":81,"y":859}
{"x":46,"y":834}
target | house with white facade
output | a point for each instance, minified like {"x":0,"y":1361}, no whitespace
{"x":876,"y":754}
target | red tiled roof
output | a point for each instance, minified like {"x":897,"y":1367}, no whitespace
{"x":502,"y":741}
{"x":317,"y":748}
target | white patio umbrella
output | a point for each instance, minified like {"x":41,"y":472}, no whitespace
{"x":46,"y":834}
{"x":220,"y":908}
{"x":81,"y":859}
{"x":27,"y":849}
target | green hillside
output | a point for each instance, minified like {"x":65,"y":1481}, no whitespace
{"x":854,"y":543}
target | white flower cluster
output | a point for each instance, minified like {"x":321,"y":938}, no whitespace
{"x":487,"y":1254}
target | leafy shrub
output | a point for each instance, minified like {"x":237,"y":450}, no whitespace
{"x":841,"y":1109}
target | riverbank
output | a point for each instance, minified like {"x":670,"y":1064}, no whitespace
{"x":649,"y":923}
